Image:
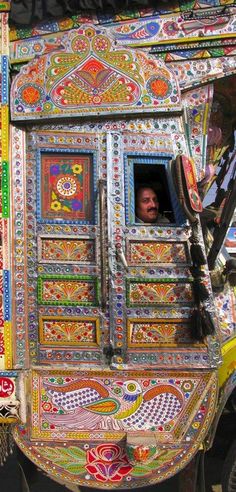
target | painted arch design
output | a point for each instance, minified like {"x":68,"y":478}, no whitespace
{"x":93,"y":76}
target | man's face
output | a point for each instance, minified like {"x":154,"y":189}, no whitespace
{"x":147,"y":205}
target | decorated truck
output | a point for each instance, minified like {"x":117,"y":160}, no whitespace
{"x":117,"y":335}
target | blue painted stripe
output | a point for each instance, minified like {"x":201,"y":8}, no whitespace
{"x":5,"y":84}
{"x":6,"y":296}
{"x":9,"y":374}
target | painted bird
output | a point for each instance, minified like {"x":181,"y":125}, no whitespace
{"x":87,"y":404}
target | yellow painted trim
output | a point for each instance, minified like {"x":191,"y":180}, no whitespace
{"x":205,"y":118}
{"x":228,"y":345}
{"x":8,"y":344}
{"x":182,"y":40}
{"x":14,"y":61}
{"x":5,"y":133}
{"x":8,"y":420}
{"x":228,"y":366}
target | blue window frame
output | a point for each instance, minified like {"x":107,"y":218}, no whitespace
{"x":74,"y":192}
{"x":160,"y":173}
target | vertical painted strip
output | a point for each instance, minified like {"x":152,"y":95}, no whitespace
{"x":19,"y":309}
{"x":5,"y":75}
{"x":7,"y":295}
{"x":5,"y":190}
{"x":8,"y":344}
{"x":5,"y":34}
{"x":5,"y":312}
{"x":5,"y":244}
{"x":5,"y":132}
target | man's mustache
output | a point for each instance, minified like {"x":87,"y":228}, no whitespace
{"x":153,"y":209}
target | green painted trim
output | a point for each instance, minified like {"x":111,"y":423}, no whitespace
{"x":5,"y":190}
{"x":91,"y":279}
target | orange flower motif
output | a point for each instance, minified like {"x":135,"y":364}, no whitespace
{"x":141,"y":453}
{"x":31,"y":95}
{"x":159,"y":87}
{"x":66,"y":24}
{"x":47,"y":406}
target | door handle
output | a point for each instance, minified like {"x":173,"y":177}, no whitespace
{"x":102,"y":217}
{"x":121,"y":255}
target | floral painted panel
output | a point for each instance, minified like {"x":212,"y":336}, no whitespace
{"x":149,"y":332}
{"x":66,"y":250}
{"x":92,"y":76}
{"x":66,"y":290}
{"x":153,"y":252}
{"x":68,"y":331}
{"x":151,"y":293}
{"x":66,"y":187}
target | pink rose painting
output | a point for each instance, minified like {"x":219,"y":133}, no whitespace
{"x":108,"y":463}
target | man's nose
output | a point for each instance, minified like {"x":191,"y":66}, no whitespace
{"x":153,"y":203}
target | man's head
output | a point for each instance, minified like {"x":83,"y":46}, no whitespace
{"x":146,"y":204}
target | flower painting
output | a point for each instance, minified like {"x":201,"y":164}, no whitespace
{"x":108,"y":463}
{"x":66,"y":187}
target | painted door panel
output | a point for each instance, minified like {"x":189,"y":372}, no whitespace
{"x":151,"y":284}
{"x":60,"y":175}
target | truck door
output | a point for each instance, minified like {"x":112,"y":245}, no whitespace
{"x":55,"y":199}
{"x":150,"y":281}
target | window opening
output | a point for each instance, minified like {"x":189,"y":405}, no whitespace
{"x":150,"y":173}
{"x":149,"y":177}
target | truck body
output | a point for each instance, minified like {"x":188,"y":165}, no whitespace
{"x":118,"y":336}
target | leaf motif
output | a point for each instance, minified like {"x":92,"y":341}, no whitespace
{"x":49,"y":453}
{"x":165,"y":456}
{"x":145,"y":469}
{"x":62,"y":463}
{"x":64,"y":456}
{"x":76,"y":469}
{"x":74,"y":450}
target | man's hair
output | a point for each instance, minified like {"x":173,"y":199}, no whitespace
{"x":143,"y":186}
